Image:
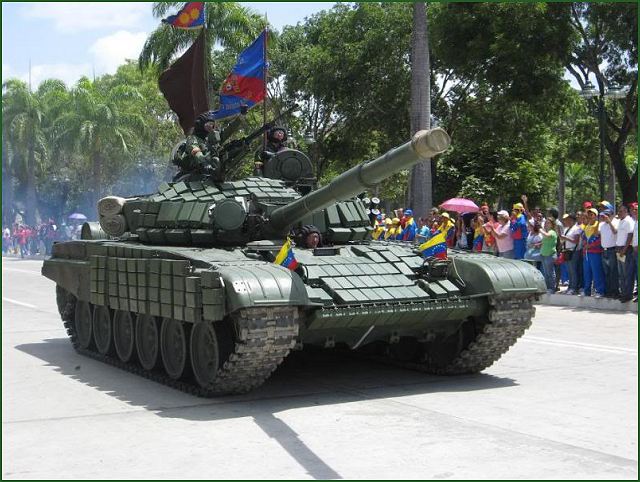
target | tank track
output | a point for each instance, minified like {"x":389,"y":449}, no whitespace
{"x":507,"y":321}
{"x":264,"y":336}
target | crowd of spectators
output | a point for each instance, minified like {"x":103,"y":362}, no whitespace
{"x":23,"y":240}
{"x":591,"y":252}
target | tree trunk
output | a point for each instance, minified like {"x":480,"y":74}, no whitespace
{"x":561,"y":189}
{"x":31,"y":205}
{"x":420,"y":181}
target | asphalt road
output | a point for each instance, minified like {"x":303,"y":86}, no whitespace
{"x":562,"y":403}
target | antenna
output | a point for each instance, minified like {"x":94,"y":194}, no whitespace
{"x":29,"y":74}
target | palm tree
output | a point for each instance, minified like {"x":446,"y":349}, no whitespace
{"x":25,"y":114}
{"x":227,"y":23}
{"x":102,"y":122}
{"x":420,"y":185}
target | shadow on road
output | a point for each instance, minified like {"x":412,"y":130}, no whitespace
{"x":305,"y":379}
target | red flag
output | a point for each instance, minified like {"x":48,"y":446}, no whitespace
{"x":184,"y":85}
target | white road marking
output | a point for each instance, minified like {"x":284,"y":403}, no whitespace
{"x":585,"y":346}
{"x":17,"y":270}
{"x":27,"y":305}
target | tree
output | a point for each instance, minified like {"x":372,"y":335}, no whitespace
{"x":607,"y":46}
{"x":102,"y":123}
{"x":27,"y":114}
{"x":420,"y":182}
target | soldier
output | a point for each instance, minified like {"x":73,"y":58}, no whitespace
{"x":200,"y":155}
{"x":309,"y":237}
{"x":276,"y":142}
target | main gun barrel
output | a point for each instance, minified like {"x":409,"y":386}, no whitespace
{"x":425,"y":144}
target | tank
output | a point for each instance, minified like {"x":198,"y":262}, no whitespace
{"x":181,"y":286}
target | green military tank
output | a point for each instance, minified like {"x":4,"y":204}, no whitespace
{"x":181,"y":287}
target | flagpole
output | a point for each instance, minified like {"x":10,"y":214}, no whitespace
{"x":266,"y":74}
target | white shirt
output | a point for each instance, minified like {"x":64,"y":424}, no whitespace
{"x":574,"y":231}
{"x":625,"y":227}
{"x":607,"y":238}
{"x":634,"y":242}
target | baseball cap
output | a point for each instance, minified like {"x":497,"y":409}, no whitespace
{"x":503,"y":213}
{"x":518,"y":206}
{"x":587,"y":205}
{"x":593,"y":210}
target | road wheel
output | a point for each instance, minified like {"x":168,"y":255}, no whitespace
{"x":173,"y":347}
{"x":102,"y":329}
{"x":205,"y":354}
{"x":82,"y":321}
{"x":147,"y":339}
{"x":123,"y":335}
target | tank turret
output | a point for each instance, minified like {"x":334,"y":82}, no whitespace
{"x":425,"y":144}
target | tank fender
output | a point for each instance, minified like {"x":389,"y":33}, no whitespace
{"x":495,"y":276}
{"x":262,"y":285}
{"x":73,"y":275}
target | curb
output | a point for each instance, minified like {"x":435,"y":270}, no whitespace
{"x":590,"y":303}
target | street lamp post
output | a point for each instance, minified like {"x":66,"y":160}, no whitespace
{"x":614,"y":91}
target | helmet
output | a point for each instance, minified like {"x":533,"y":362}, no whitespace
{"x":277,"y":134}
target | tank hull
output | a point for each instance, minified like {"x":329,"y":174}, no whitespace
{"x":372,"y":297}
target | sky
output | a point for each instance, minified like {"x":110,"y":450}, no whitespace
{"x":69,"y":40}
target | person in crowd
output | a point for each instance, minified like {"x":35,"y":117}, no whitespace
{"x":394,"y":231}
{"x":461,"y":234}
{"x":553,"y":213}
{"x":424,"y":230}
{"x":478,"y":233}
{"x":378,"y":229}
{"x":548,"y":252}
{"x":631,"y":264}
{"x":519,"y":230}
{"x":534,"y":243}
{"x":410,"y":228}
{"x":502,"y":235}
{"x":447,"y":226}
{"x":587,"y":205}
{"x":624,"y":237}
{"x":6,"y":240}
{"x":570,"y":238}
{"x":484,"y":209}
{"x":592,"y":255}
{"x":489,"y":226}
{"x":608,"y":231}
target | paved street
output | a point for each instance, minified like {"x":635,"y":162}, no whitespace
{"x":561,"y":404}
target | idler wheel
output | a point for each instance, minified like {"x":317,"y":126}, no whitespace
{"x":123,"y":335}
{"x":205,"y":354}
{"x":147,"y":341}
{"x":102,"y":329}
{"x":173,"y":347}
{"x":82,"y":321}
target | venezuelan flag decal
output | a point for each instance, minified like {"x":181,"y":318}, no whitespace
{"x":245,"y":84}
{"x":189,"y":17}
{"x":435,"y":247}
{"x":286,"y":257}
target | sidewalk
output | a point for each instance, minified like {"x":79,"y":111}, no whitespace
{"x":588,"y":302}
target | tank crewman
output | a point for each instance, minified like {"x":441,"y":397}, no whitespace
{"x":410,"y":226}
{"x":202,"y":147}
{"x":308,"y":237}
{"x":276,"y":142}
{"x":519,"y":231}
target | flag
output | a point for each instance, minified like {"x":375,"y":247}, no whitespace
{"x":184,"y":85}
{"x":435,"y":246}
{"x":478,"y":239}
{"x":245,"y":85}
{"x":286,"y":257}
{"x":189,"y":17}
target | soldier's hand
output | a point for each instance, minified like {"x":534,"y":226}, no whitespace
{"x":195,"y":150}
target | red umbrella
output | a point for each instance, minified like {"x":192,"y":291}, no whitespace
{"x":459,"y":205}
